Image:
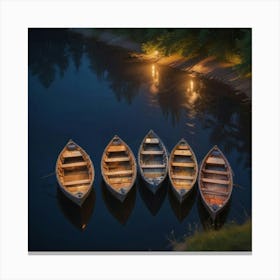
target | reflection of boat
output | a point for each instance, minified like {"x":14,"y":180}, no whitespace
{"x":182,"y":209}
{"x":215,"y":181}
{"x":118,"y":167}
{"x":120,"y":210}
{"x":77,"y":216}
{"x":183,"y":169}
{"x":74,"y":172}
{"x":206,"y":220}
{"x":153,"y":201}
{"x":153,"y":160}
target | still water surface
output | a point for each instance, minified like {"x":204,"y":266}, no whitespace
{"x":82,"y":89}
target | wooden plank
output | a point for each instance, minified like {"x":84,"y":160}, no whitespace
{"x":183,"y":185}
{"x":74,"y":164}
{"x":120,"y":180}
{"x":215,"y":160}
{"x":152,"y":141}
{"x":218,"y":172}
{"x":183,"y":147}
{"x":153,"y":166}
{"x":183,"y":164}
{"x":120,"y":172}
{"x":118,"y":148}
{"x":182,"y":177}
{"x":69,"y":154}
{"x":116,"y":159}
{"x":152,"y":152}
{"x":214,"y":192}
{"x":79,"y":182}
{"x":215,"y":181}
{"x":182,"y":153}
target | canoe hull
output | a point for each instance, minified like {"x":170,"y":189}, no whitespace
{"x":228,"y":172}
{"x":117,"y":144}
{"x":153,"y":184}
{"x":77,"y":198}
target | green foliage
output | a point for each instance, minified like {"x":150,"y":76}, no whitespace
{"x":230,"y":238}
{"x":226,"y":44}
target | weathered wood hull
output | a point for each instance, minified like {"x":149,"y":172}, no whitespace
{"x":73,"y":162}
{"x":215,"y":181}
{"x":183,"y":169}
{"x":118,"y":168}
{"x":153,"y":161}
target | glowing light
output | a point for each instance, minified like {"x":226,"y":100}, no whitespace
{"x":191,"y":84}
{"x":156,"y":53}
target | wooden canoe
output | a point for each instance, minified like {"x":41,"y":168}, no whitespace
{"x":118,"y":168}
{"x":183,"y":169}
{"x":215,"y":181}
{"x":74,"y":172}
{"x":153,"y":161}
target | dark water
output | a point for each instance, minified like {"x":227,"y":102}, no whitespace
{"x":84,"y":90}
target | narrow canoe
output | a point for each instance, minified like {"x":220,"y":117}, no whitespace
{"x":215,"y":181}
{"x":183,"y":169}
{"x":118,"y":167}
{"x":153,"y":161}
{"x":74,"y":172}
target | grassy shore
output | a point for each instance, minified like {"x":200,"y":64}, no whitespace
{"x":230,"y":238}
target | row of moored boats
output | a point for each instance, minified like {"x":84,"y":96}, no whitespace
{"x":75,"y":171}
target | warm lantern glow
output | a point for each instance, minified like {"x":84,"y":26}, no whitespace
{"x":155,"y":79}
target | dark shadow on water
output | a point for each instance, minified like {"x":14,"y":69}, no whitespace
{"x":181,"y":210}
{"x":152,"y":201}
{"x":121,"y":211}
{"x":206,"y":220}
{"x":77,"y":216}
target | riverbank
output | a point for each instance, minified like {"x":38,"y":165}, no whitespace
{"x":230,"y":238}
{"x":208,"y":67}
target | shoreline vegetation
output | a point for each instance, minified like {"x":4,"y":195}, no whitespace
{"x":231,"y":237}
{"x":220,"y":54}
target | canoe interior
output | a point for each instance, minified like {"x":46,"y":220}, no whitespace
{"x":118,"y":165}
{"x":74,"y":170}
{"x":183,"y":168}
{"x":153,"y":158}
{"x":215,"y":179}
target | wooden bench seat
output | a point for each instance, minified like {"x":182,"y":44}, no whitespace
{"x":214,"y":192}
{"x":70,"y":154}
{"x":154,"y":166}
{"x":79,"y":182}
{"x":215,"y":181}
{"x":219,"y":172}
{"x":74,"y":164}
{"x":118,"y":148}
{"x":183,"y":164}
{"x":116,"y":159}
{"x":152,"y":141}
{"x":120,"y":172}
{"x":152,"y":152}
{"x":215,"y":161}
{"x":182,"y":153}
{"x":182,"y":177}
{"x":183,"y":147}
{"x":120,"y":180}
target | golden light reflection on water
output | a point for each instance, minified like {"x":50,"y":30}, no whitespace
{"x":155,"y":79}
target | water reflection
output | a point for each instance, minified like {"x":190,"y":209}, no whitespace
{"x":121,"y":211}
{"x":181,"y":210}
{"x":206,"y":220}
{"x":77,"y":216}
{"x":180,"y":96}
{"x":152,"y":201}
